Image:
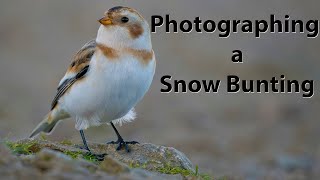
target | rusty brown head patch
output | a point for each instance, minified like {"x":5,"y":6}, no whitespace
{"x":135,"y":30}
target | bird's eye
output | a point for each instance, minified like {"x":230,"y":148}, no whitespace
{"x":124,"y":19}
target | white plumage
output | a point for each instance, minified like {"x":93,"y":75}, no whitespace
{"x":109,"y":91}
{"x":108,"y":76}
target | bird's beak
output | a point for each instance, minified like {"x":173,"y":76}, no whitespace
{"x":105,"y":21}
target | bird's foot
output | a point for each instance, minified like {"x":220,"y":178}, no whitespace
{"x":99,"y":157}
{"x":121,"y":143}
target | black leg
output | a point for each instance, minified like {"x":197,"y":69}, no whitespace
{"x":121,"y":143}
{"x":99,"y":157}
{"x":84,"y":140}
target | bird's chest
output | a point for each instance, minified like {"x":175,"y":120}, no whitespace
{"x":121,"y":84}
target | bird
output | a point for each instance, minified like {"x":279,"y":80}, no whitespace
{"x":107,"y":77}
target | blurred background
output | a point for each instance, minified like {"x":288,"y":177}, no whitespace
{"x":245,"y":136}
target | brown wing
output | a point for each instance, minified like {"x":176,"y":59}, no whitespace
{"x":77,"y":70}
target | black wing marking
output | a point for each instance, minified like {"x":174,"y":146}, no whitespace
{"x":62,"y":89}
{"x":80,"y":64}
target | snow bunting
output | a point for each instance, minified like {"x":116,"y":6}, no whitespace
{"x":107,"y":77}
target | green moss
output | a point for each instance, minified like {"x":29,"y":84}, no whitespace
{"x":168,"y":169}
{"x":66,"y":142}
{"x":43,"y":136}
{"x":90,"y":157}
{"x":168,"y":153}
{"x":136,"y":165}
{"x":79,"y":154}
{"x":31,"y":147}
{"x":23,"y":148}
{"x":73,"y":154}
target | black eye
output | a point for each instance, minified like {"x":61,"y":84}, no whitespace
{"x":124,"y":19}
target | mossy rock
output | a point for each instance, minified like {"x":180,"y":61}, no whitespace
{"x":144,"y":160}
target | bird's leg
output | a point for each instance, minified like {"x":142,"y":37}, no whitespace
{"x":84,"y":141}
{"x":121,"y":143}
{"x":99,"y":157}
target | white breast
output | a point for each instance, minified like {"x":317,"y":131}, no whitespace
{"x":109,"y":90}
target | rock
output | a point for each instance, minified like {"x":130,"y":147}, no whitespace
{"x":113,"y":166}
{"x":55,"y":163}
{"x":149,"y":156}
{"x":291,"y":163}
{"x":11,"y":167}
{"x":41,"y":159}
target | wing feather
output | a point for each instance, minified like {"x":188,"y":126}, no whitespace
{"x":77,"y":70}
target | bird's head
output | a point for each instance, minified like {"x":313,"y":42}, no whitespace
{"x":124,"y":27}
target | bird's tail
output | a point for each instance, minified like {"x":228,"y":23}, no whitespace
{"x":48,"y":123}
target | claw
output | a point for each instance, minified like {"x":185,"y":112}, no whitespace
{"x":99,"y":157}
{"x":133,"y":142}
{"x":121,"y":143}
{"x":119,"y":147}
{"x":112,"y":142}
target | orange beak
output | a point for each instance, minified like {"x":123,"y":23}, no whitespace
{"x":105,"y":21}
